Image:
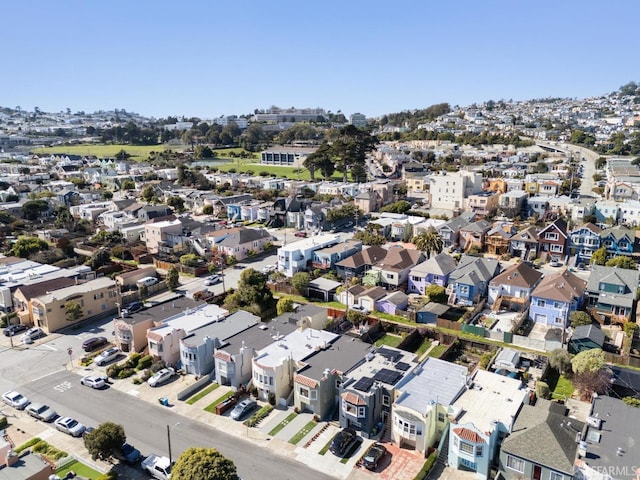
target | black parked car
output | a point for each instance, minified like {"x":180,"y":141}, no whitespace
{"x":93,"y":343}
{"x":342,"y":441}
{"x":132,"y":308}
{"x":14,"y":329}
{"x":374,"y":454}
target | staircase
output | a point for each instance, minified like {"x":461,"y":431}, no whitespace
{"x":443,"y":455}
{"x":497,"y":304}
{"x":386,"y":431}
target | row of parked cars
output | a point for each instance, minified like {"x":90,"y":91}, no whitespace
{"x":344,"y":442}
{"x":43,"y":412}
{"x":29,"y":335}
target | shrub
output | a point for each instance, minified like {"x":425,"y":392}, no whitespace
{"x":133,"y":360}
{"x":159,"y":365}
{"x":485,"y":358}
{"x":126,"y":373}
{"x":146,"y":375}
{"x":272,"y":398}
{"x":253,"y":391}
{"x":428,"y":465}
{"x":110,"y":475}
{"x":113,"y":371}
{"x":145,"y":362}
{"x":3,"y":423}
{"x":542,"y":390}
{"x":137,"y":381}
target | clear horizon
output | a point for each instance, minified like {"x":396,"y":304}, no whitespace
{"x":203,"y":59}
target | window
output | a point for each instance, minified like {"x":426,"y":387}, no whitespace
{"x":361,"y":412}
{"x":542,"y":303}
{"x":557,"y":305}
{"x":304,"y":392}
{"x":623,"y":245}
{"x":390,"y":275}
{"x":479,"y":451}
{"x":440,"y":417}
{"x":551,"y":236}
{"x":557,"y":248}
{"x":464,"y":289}
{"x":516,"y":464}
{"x":555,"y":476}
{"x":386,"y":400}
{"x":466,"y":448}
{"x":456,"y":442}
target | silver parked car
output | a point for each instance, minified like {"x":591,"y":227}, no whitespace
{"x":70,"y":426}
{"x":41,"y":412}
{"x":109,"y":355}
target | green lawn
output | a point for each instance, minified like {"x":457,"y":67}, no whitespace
{"x":389,"y":340}
{"x":283,"y":424}
{"x":325,"y":449}
{"x":424,"y":346}
{"x":564,"y":388}
{"x":211,"y":408}
{"x":80,"y":469}
{"x":302,"y":433}
{"x":202,"y":393}
{"x":137,"y":152}
{"x":437,"y":351}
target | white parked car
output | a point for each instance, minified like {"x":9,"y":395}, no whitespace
{"x":107,"y":356}
{"x":15,"y":399}
{"x":70,"y":426}
{"x":41,"y":412}
{"x":147,"y":281}
{"x":160,"y":377}
{"x":360,"y":308}
{"x":212,"y":280}
{"x":269,"y":269}
{"x":93,"y":381}
{"x":32,"y":334}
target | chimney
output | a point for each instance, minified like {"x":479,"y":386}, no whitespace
{"x":12,"y":457}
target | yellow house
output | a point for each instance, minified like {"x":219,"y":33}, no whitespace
{"x":95,"y":297}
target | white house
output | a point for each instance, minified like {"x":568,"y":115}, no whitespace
{"x":448,"y":190}
{"x":295,"y":257}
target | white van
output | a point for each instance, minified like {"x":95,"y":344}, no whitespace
{"x":147,"y":281}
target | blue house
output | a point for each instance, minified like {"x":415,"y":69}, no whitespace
{"x":618,"y":241}
{"x":233,"y":211}
{"x":583,"y":241}
{"x":468,"y":283}
{"x":612,"y":293}
{"x":436,"y":271}
{"x":555,"y":297}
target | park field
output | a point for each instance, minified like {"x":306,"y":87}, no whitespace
{"x":137,"y":152}
{"x":292,"y":173}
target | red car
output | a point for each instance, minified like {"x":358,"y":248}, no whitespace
{"x":301,"y":234}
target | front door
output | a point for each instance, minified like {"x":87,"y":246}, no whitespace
{"x":537,"y":472}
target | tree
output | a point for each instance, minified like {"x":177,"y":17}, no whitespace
{"x":542,"y":390}
{"x":401,"y":206}
{"x":300,"y":281}
{"x":285,"y":304}
{"x":128,"y":185}
{"x":560,"y":360}
{"x":369,"y":237}
{"x":100,"y":257}
{"x":622,"y":262}
{"x":203,"y":151}
{"x":203,"y":464}
{"x":72,"y":310}
{"x":148,"y":194}
{"x":173,"y":278}
{"x":252,"y":293}
{"x":176,"y":202}
{"x":207,"y":210}
{"x":105,"y":441}
{"x":588,"y":361}
{"x":599,"y":257}
{"x":428,"y":241}
{"x":578,"y":318}
{"x":32,"y":209}
{"x":436,"y":293}
{"x":25,"y":246}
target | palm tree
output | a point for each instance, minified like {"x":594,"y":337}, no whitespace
{"x":428,"y":241}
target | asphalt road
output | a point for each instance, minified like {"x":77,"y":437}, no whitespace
{"x":587,"y":183}
{"x":146,"y":426}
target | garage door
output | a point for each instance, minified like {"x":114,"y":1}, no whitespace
{"x":540,"y":318}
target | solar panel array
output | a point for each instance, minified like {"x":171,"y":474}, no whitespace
{"x":390,"y":377}
{"x":364,"y":384}
{"x":392,"y":355}
{"x":403,"y":366}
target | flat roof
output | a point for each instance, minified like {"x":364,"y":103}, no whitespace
{"x":89,"y":286}
{"x":229,"y":326}
{"x":434,"y":381}
{"x":319,"y":241}
{"x":492,"y":398}
{"x":297,"y":345}
{"x":159,"y":313}
{"x":341,"y":355}
{"x":24,"y":272}
{"x":384,"y":358}
{"x":191,"y":319}
{"x":259,"y":336}
{"x":619,"y":430}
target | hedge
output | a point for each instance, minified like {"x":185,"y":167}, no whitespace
{"x":428,"y":465}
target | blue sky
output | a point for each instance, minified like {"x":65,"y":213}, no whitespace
{"x":208,"y":58}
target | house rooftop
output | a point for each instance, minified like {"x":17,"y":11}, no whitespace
{"x":314,"y":242}
{"x":339,"y":248}
{"x":63,"y":293}
{"x":297,"y":345}
{"x":386,"y":365}
{"x":235,"y":323}
{"x":341,"y":355}
{"x":518,"y":275}
{"x":619,"y":431}
{"x":159,"y":313}
{"x":433,"y":381}
{"x":194,"y":318}
{"x":562,"y":286}
{"x":492,"y":398}
{"x":440,"y":264}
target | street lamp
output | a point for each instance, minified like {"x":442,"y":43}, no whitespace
{"x":169,"y":441}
